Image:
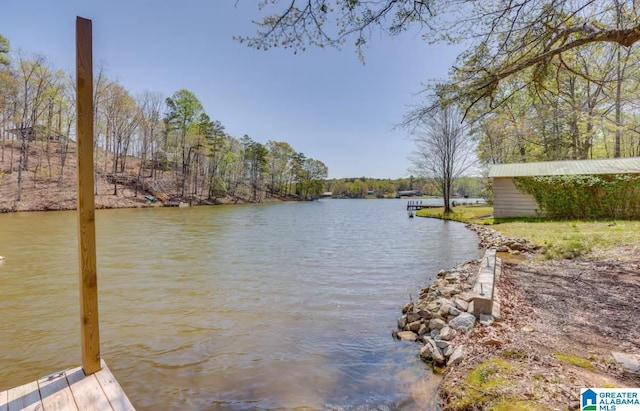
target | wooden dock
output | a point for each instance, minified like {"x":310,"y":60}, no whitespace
{"x":414,"y":205}
{"x":68,"y":390}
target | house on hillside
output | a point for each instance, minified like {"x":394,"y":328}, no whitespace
{"x":508,"y":201}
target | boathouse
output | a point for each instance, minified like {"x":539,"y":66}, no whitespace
{"x":509,"y":201}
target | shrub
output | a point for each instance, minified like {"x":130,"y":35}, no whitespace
{"x":585,"y":196}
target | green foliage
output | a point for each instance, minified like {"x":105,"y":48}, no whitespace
{"x":479,"y":213}
{"x":485,"y":383}
{"x":575,"y":360}
{"x":218,"y":188}
{"x":387,"y":188}
{"x":572,"y":247}
{"x":185,"y":111}
{"x":585,"y":196}
{"x":4,"y":51}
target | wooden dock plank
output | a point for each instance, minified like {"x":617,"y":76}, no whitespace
{"x":87,"y":391}
{"x":112,"y":390}
{"x":56,"y":394}
{"x":3,"y":400}
{"x":24,"y":398}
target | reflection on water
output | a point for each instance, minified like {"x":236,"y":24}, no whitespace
{"x":287,"y":306}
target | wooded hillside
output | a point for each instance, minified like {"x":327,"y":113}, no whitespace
{"x":148,"y":144}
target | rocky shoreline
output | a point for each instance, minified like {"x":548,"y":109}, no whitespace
{"x":544,"y":346}
{"x":443,"y":313}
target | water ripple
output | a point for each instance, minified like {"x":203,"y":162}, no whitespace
{"x":274,"y":306}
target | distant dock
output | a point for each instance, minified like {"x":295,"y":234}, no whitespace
{"x":69,"y":390}
{"x":414,"y":205}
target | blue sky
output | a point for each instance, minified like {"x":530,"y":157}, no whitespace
{"x":323,"y":102}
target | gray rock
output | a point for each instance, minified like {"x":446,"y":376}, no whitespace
{"x":457,"y":355}
{"x":437,"y":324}
{"x":435,"y":333}
{"x":436,"y":354}
{"x":630,"y":362}
{"x":461,"y":304}
{"x":426,"y":352}
{"x":412,"y":316}
{"x":448,"y":351}
{"x":407,"y":336}
{"x":423,"y":329}
{"x":486,"y":319}
{"x":454,"y":311}
{"x":442,"y":344}
{"x":402,"y":322}
{"x":463,"y":322}
{"x":447,"y":333}
{"x":415,"y":326}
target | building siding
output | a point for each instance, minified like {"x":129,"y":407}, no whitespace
{"x":508,"y":201}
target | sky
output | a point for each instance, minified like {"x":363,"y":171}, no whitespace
{"x":324,"y":102}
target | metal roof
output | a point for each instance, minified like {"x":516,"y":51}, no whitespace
{"x":630,"y":165}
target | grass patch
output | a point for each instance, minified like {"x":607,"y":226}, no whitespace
{"x":558,"y":239}
{"x":570,"y":239}
{"x":486,"y":387}
{"x":574,"y":360}
{"x":479,"y":213}
{"x":514,"y":354}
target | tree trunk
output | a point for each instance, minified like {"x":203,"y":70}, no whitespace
{"x":616,"y":147}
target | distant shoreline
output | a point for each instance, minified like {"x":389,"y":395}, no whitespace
{"x":114,"y":202}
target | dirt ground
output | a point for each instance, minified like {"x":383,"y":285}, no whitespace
{"x":46,"y":185}
{"x":560,"y":321}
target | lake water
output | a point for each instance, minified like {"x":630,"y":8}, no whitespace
{"x":248,"y":307}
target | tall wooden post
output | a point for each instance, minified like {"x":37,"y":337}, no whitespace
{"x":90,"y":336}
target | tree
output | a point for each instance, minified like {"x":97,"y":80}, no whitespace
{"x":444,"y":150}
{"x":279,"y":158}
{"x":35,"y":86}
{"x":4,"y":51}
{"x":150,"y":107}
{"x":122,"y":115}
{"x":313,"y":177}
{"x":184,"y":111}
{"x":504,"y":37}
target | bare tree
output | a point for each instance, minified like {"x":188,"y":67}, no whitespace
{"x":150,"y":105}
{"x":444,"y":150}
{"x":503,"y":37}
{"x":35,"y":82}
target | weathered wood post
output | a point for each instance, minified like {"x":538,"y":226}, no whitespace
{"x":90,"y":336}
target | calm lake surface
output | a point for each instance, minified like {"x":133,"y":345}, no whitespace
{"x":251,"y":307}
